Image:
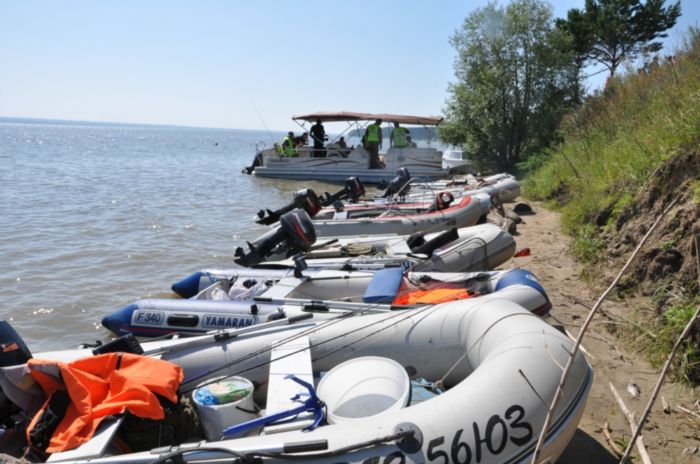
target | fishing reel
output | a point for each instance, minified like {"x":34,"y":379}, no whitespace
{"x":399,"y":185}
{"x":352,"y":191}
{"x":305,"y":199}
{"x":296,"y":233}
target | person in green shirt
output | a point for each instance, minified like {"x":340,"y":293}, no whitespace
{"x":288,"y":148}
{"x":373,"y":140}
{"x":398,"y":138}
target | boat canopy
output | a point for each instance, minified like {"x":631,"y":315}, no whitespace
{"x":350,"y":116}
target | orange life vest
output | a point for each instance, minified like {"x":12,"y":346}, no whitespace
{"x":101,"y":386}
{"x":431,"y":296}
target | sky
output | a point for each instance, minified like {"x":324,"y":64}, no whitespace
{"x":235,"y":64}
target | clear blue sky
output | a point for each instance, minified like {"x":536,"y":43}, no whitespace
{"x":220,"y":63}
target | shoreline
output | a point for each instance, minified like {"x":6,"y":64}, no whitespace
{"x":669,"y":438}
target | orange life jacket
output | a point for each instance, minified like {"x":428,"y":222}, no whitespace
{"x":101,"y":386}
{"x":431,"y":296}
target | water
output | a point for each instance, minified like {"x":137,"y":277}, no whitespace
{"x":96,"y":216}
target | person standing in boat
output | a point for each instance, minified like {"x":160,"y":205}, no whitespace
{"x":398,"y":138}
{"x":373,"y":139}
{"x":318,"y":134}
{"x":288,"y":148}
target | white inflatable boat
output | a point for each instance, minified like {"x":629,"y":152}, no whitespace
{"x":244,"y":301}
{"x":491,"y":366}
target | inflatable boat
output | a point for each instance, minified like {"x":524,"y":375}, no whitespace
{"x":467,"y":381}
{"x":245,"y":301}
{"x":472,"y":248}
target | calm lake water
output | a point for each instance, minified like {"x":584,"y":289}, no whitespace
{"x":96,"y":216}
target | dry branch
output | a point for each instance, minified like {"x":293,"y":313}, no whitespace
{"x":584,"y":328}
{"x":667,"y":365}
{"x":613,"y":446}
{"x":633,"y":425}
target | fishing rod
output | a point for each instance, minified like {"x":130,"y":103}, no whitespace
{"x":269,"y":133}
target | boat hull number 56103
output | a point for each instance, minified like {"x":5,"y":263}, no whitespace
{"x":486,"y":440}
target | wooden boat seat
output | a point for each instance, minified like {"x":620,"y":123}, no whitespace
{"x":292,"y":357}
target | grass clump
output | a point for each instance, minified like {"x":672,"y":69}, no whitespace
{"x":617,"y":139}
{"x":686,"y":364}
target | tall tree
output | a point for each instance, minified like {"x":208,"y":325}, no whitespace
{"x":612,"y":31}
{"x":512,"y":81}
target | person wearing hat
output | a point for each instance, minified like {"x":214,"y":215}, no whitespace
{"x":288,"y":145}
{"x":373,"y":140}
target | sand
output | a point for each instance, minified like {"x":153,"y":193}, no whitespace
{"x":669,"y":438}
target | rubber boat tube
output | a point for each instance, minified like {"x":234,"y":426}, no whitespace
{"x":501,"y":364}
{"x":478,"y":248}
{"x":293,"y":296}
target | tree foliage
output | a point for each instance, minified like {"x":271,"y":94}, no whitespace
{"x":514,"y":80}
{"x":611,"y":31}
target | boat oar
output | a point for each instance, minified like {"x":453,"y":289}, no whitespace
{"x":219,"y":335}
{"x":325,"y":305}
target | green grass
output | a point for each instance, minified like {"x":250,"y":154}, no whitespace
{"x":612,"y":146}
{"x":686,"y":364}
{"x":616,"y":140}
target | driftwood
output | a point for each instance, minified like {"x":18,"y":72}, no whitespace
{"x":688,"y":411}
{"x":667,"y":365}
{"x":633,"y":425}
{"x":582,"y":332}
{"x":665,"y":406}
{"x":608,"y":437}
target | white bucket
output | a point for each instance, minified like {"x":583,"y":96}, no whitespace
{"x":364,"y":387}
{"x":233,"y":409}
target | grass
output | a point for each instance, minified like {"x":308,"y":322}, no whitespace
{"x":686,"y":365}
{"x":616,"y":140}
{"x":612,"y":146}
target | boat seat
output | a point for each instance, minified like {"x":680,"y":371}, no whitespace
{"x":96,"y":446}
{"x":292,"y":357}
{"x":384,"y":285}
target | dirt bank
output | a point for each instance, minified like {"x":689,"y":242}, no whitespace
{"x":669,"y":438}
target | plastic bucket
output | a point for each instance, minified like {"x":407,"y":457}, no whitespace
{"x":233,"y":404}
{"x":364,"y":387}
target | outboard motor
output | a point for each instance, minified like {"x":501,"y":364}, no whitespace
{"x":257,"y":161}
{"x":353,"y":190}
{"x":399,"y":184}
{"x":419,"y":245}
{"x":13,"y":350}
{"x":295,"y":233}
{"x":305,"y":199}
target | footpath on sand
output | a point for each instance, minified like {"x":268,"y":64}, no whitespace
{"x":672,"y":437}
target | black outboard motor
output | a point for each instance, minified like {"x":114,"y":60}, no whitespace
{"x":257,"y":161}
{"x":13,"y":350}
{"x":419,"y":245}
{"x":305,"y":199}
{"x":295,"y":233}
{"x":353,"y":190}
{"x":399,"y":184}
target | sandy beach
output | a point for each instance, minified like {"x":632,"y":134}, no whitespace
{"x":669,"y":438}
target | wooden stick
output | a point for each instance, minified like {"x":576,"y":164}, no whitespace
{"x":582,"y":332}
{"x":613,"y":446}
{"x":633,"y":425}
{"x":688,"y":411}
{"x":666,"y":367}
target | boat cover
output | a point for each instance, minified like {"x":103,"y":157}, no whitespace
{"x":325,"y":116}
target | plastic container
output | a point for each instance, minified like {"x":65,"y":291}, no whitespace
{"x":222,"y":402}
{"x":364,"y":387}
